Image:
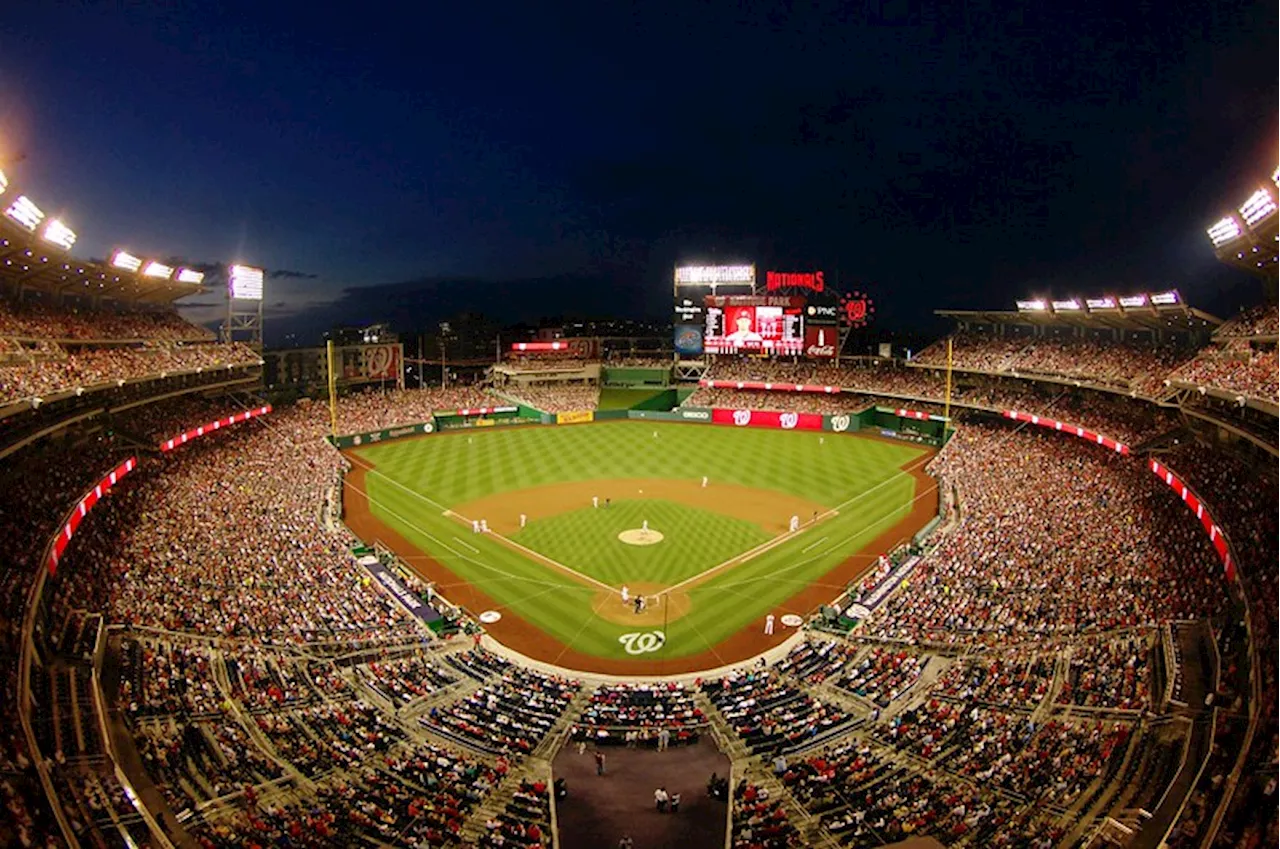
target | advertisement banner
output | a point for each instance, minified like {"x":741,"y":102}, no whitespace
{"x":194,"y":433}
{"x":767,"y":418}
{"x":391,"y":582}
{"x":77,"y":514}
{"x":1195,"y":505}
{"x":769,"y":387}
{"x":372,"y":437}
{"x":1075,"y":430}
{"x":688,"y":339}
{"x":821,"y":342}
{"x":575,"y":416}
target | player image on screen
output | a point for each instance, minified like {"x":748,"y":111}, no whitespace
{"x":742,"y":320}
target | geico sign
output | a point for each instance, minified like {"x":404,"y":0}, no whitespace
{"x":700,"y":415}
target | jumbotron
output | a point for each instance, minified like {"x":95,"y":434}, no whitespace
{"x":761,"y":581}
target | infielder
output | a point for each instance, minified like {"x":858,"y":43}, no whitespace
{"x":795,"y":523}
{"x":768,"y":625}
{"x":626,"y":594}
{"x":704,"y":481}
{"x":475,"y":526}
{"x":595,"y":501}
{"x":484,"y":526}
{"x":523,"y":519}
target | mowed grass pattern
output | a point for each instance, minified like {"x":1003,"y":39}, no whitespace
{"x":693,"y":541}
{"x":417,"y":479}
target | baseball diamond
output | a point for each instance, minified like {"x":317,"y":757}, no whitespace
{"x":726,"y":557}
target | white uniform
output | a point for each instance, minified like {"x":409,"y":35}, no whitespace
{"x":768,"y":624}
{"x":595,"y":501}
{"x":475,"y":526}
{"x":484,"y":525}
{"x":704,"y":481}
{"x":795,"y":523}
{"x":626,"y":593}
{"x":644,"y":526}
{"x":523,"y":519}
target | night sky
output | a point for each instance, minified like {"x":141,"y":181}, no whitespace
{"x":531,"y":159}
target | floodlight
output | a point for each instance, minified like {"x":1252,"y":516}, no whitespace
{"x":1107,"y":303}
{"x":1133,"y":301}
{"x":245,"y":282}
{"x":126,"y":260}
{"x":1226,"y":230}
{"x":25,"y":213}
{"x":187,"y":275}
{"x":1257,"y":207}
{"x":1033,"y":306}
{"x":157,"y":269}
{"x":59,"y":234}
{"x":1164,"y":298}
{"x":1072,"y":304}
{"x":4,"y":182}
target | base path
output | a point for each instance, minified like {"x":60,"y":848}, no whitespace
{"x":532,"y":641}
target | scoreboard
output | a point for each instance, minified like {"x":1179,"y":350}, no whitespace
{"x":772,"y":325}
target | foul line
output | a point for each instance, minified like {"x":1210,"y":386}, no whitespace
{"x":534,"y":555}
{"x":812,"y":546}
{"x":471,"y":548}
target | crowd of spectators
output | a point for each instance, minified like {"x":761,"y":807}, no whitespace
{"x":770,"y":714}
{"x":1262,"y":320}
{"x":36,"y":320}
{"x":1091,"y":541}
{"x":1014,"y":677}
{"x":90,"y":367}
{"x":374,"y":409}
{"x":1110,"y":673}
{"x":640,"y":715}
{"x":1237,"y":366}
{"x":760,"y":822}
{"x":1136,"y":365}
{"x":560,"y":398}
{"x":510,"y":714}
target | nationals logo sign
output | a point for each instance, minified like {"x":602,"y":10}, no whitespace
{"x":642,"y":642}
{"x":840,"y":423}
{"x":856,"y":309}
{"x":382,"y":362}
{"x":767,"y":418}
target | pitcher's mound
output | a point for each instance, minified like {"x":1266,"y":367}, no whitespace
{"x":639,"y":536}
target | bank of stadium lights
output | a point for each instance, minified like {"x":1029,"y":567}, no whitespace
{"x":126,"y":260}
{"x":25,"y":213}
{"x":158,"y":269}
{"x":245,"y":282}
{"x":1257,"y":207}
{"x":189,"y":275}
{"x":57,"y":233}
{"x":4,"y":182}
{"x":1226,"y":230}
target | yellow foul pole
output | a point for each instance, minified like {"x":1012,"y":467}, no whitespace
{"x":333,"y":394}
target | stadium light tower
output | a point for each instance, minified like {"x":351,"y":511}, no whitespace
{"x":1247,"y":236}
{"x":244,"y":306}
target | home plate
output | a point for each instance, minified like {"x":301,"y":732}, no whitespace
{"x":641,"y":536}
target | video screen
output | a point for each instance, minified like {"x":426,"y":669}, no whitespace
{"x":745,"y":328}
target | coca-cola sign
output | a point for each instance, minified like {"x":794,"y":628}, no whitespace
{"x":820,"y":342}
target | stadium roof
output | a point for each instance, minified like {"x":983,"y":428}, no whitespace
{"x":30,"y":261}
{"x":1170,"y":317}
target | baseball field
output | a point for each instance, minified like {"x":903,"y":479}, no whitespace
{"x":546,"y":526}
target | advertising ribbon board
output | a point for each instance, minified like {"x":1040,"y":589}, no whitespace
{"x":575,"y":416}
{"x":767,"y":418}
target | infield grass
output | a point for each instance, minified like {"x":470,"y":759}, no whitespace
{"x":416,"y":480}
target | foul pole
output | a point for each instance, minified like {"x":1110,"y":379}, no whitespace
{"x":333,"y":393}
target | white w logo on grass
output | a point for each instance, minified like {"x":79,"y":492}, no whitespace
{"x":642,"y":642}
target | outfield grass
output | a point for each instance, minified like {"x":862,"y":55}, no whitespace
{"x":614,"y":398}
{"x":418,"y":479}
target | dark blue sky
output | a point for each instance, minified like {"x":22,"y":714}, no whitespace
{"x":933,"y":154}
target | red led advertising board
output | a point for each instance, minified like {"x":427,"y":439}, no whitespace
{"x":767,"y":418}
{"x":196,"y":432}
{"x":92,"y":497}
{"x":775,"y":280}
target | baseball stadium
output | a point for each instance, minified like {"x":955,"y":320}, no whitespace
{"x":1017,"y":590}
